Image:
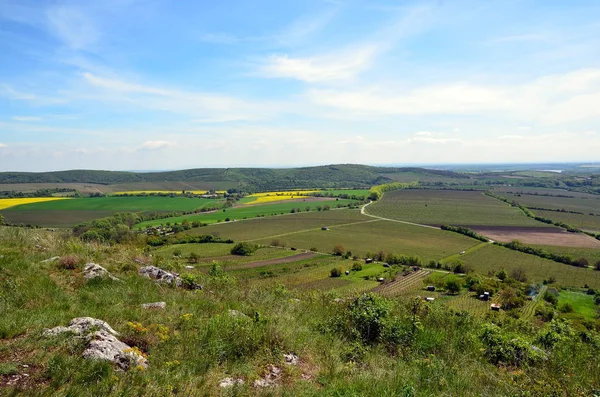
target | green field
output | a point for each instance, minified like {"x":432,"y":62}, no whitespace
{"x":583,"y":304}
{"x":243,"y":212}
{"x":591,"y":254}
{"x":584,"y":222}
{"x":493,"y":258}
{"x":120,"y":204}
{"x":260,"y":228}
{"x":438,"y":207}
{"x":581,"y":203}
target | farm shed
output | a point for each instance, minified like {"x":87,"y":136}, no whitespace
{"x":495,"y":307}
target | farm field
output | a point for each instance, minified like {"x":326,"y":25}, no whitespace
{"x":537,"y":235}
{"x":439,"y":207}
{"x":379,"y":235}
{"x":403,"y":285}
{"x":272,"y":227}
{"x":584,"y":222}
{"x":493,"y":258}
{"x":120,"y":204}
{"x":581,"y":203}
{"x":150,"y":192}
{"x":237,"y":213}
{"x":591,"y":254}
{"x":7,"y":203}
{"x":269,"y":197}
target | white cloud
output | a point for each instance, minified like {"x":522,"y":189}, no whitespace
{"x":73,"y":26}
{"x":204,"y":107}
{"x":2,"y":145}
{"x":27,"y":118}
{"x":423,"y":133}
{"x":510,"y":137}
{"x":156,"y":145}
{"x":552,"y":99}
{"x":339,"y":66}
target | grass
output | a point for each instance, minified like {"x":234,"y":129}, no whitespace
{"x":120,"y":204}
{"x":194,"y":344}
{"x":7,"y":203}
{"x":583,"y":304}
{"x":493,"y":258}
{"x":238,"y":213}
{"x":584,"y":222}
{"x":373,"y":235}
{"x":591,"y":254}
{"x":438,"y":207}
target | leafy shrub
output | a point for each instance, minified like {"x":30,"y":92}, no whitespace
{"x":278,"y":243}
{"x":566,"y":307}
{"x":357,"y":267}
{"x":243,"y":249}
{"x":519,"y":275}
{"x":339,"y":250}
{"x":551,"y":296}
{"x":368,"y":316}
{"x":500,"y":347}
{"x":453,"y":285}
{"x":189,"y":280}
{"x":335,"y":272}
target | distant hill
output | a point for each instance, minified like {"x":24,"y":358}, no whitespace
{"x":260,"y":178}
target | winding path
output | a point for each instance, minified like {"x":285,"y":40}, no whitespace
{"x":362,"y":211}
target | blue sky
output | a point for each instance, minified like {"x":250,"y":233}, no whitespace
{"x":126,"y":84}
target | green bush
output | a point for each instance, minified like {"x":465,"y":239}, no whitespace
{"x":368,"y":316}
{"x":335,"y":272}
{"x":357,"y":267}
{"x":243,"y":249}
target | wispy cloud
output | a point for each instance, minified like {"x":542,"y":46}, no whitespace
{"x":552,"y":99}
{"x":510,"y":137}
{"x":73,"y":26}
{"x":26,"y":118}
{"x":156,"y":145}
{"x":338,"y":66}
{"x":3,"y":145}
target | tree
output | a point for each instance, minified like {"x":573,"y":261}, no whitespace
{"x":194,"y":257}
{"x":502,"y":275}
{"x":335,"y":272}
{"x":519,"y":275}
{"x":339,"y":250}
{"x":597,"y":265}
{"x":453,"y":286}
{"x":243,"y":249}
{"x":510,"y":298}
{"x":581,"y":262}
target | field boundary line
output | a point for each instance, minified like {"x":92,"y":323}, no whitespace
{"x":362,"y":211}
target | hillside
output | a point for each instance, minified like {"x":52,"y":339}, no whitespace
{"x":259,"y":178}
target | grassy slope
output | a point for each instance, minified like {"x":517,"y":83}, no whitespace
{"x":437,"y":207}
{"x":494,"y":258}
{"x":583,"y":304}
{"x":249,"y":211}
{"x":591,"y":254}
{"x":584,"y":222}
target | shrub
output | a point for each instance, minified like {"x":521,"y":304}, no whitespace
{"x":597,"y":265}
{"x":335,"y":272}
{"x":501,"y":275}
{"x":550,"y":297}
{"x":189,"y":280}
{"x":453,"y":285}
{"x":368,"y":315}
{"x":69,"y":262}
{"x":501,"y":347}
{"x":278,"y":243}
{"x":338,"y":250}
{"x":519,"y":275}
{"x":581,"y":262}
{"x":243,"y":249}
{"x":357,"y":267}
{"x":194,"y":257}
{"x":566,"y":307}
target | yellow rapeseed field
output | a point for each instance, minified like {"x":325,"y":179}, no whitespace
{"x":12,"y":202}
{"x":268,"y":197}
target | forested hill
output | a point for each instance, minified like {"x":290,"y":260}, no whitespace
{"x":321,"y":176}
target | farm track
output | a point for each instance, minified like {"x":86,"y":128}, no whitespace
{"x":312,"y":230}
{"x":395,"y":287}
{"x":362,"y":211}
{"x":528,"y":311}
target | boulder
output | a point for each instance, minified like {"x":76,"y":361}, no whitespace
{"x":101,"y":343}
{"x":154,"y":305}
{"x":93,"y":270}
{"x":81,"y":326}
{"x":104,"y":346}
{"x":291,"y":359}
{"x":163,"y":276}
{"x":229,"y":382}
{"x":271,"y":377}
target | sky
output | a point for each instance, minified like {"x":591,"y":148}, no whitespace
{"x":163,"y":85}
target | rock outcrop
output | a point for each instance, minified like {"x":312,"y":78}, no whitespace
{"x":163,"y":276}
{"x":101,"y":342}
{"x":93,"y":270}
{"x":154,"y":305}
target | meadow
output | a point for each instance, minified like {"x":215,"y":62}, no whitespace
{"x":439,"y":207}
{"x":250,"y":211}
{"x":580,"y":221}
{"x":582,"y":303}
{"x":591,"y":254}
{"x":584,"y":203}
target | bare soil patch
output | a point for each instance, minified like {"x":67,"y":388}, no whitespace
{"x":278,"y":261}
{"x":538,"y":236}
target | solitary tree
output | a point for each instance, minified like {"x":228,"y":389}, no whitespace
{"x":338,"y":250}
